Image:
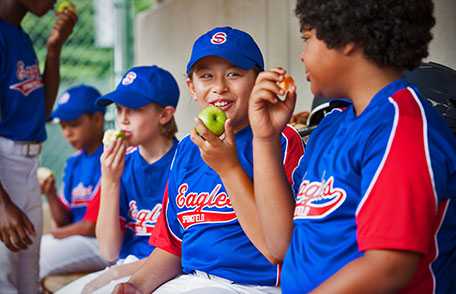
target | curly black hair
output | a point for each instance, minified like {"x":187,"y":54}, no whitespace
{"x":393,"y":33}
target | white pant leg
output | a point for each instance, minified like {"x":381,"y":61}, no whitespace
{"x":202,"y":283}
{"x":19,"y":271}
{"x":78,"y":285}
{"x":70,"y":255}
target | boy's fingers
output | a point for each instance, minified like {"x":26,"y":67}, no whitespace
{"x":279,"y":70}
{"x":23,"y":237}
{"x":266,"y":96}
{"x":196,"y":138}
{"x":205,"y":133}
{"x":120,"y":154}
{"x":15,"y":241}
{"x":270,"y":86}
{"x":269,"y":76}
{"x":28,"y":226}
{"x":229,"y":132}
{"x":290,"y":99}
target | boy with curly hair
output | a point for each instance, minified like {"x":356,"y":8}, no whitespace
{"x":372,"y":209}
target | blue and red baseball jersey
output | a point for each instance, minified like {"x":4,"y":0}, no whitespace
{"x":22,"y":105}
{"x":141,"y":195}
{"x":81,"y":179}
{"x":199,"y":223}
{"x":380,"y":180}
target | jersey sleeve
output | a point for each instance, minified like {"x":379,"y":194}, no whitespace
{"x":65,"y":194}
{"x":93,"y":207}
{"x":292,"y":151}
{"x":398,"y":209}
{"x":167,"y":234}
{"x":124,"y":207}
{"x":163,"y":235}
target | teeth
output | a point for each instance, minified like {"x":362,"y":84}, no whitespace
{"x":220,"y":103}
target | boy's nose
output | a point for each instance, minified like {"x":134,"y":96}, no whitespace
{"x":219,"y":87}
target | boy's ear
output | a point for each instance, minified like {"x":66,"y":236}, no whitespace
{"x":191,"y":87}
{"x":349,"y":48}
{"x":98,"y":118}
{"x":167,"y":114}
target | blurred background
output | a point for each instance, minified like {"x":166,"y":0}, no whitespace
{"x":113,"y":35}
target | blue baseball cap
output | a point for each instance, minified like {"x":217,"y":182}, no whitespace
{"x":75,"y":102}
{"x":236,"y":46}
{"x":143,"y":85}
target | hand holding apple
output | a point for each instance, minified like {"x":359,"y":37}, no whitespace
{"x":219,"y":154}
{"x":110,"y":136}
{"x":268,"y":114}
{"x":214,"y":119}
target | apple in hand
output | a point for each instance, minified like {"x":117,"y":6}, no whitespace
{"x":111,"y":135}
{"x":214,"y":119}
{"x":286,"y":83}
{"x":42,"y":173}
{"x":65,"y":5}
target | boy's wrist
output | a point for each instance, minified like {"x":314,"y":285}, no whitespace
{"x":235,"y":169}
{"x":266,"y":140}
{"x":54,"y":51}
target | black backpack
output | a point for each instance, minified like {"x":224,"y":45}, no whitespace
{"x":437,"y":83}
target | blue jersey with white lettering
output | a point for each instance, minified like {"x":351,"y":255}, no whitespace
{"x":141,"y":195}
{"x":81,"y":179}
{"x":22,"y":103}
{"x":199,"y":223}
{"x":382,"y":180}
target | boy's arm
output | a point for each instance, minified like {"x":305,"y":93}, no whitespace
{"x":273,"y":196}
{"x":113,"y":273}
{"x":378,"y":271}
{"x":62,"y":29}
{"x":222,"y":157}
{"x":108,"y":231}
{"x":16,"y":229}
{"x":59,"y":212}
{"x":268,"y":116}
{"x":82,"y":228}
{"x":158,"y":268}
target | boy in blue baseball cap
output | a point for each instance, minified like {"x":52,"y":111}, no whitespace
{"x":133,"y":184}
{"x":207,"y":238}
{"x":71,"y":246}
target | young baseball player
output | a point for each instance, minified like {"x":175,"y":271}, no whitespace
{"x":26,"y":100}
{"x":72,"y":247}
{"x":208,"y":239}
{"x":373,"y":210}
{"x":132,"y":185}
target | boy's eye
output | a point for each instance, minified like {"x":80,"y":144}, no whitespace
{"x":233,"y":74}
{"x":205,"y":76}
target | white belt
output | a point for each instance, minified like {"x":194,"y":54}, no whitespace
{"x":28,"y":149}
{"x":205,"y":275}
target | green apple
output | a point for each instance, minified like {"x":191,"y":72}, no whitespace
{"x":111,"y":135}
{"x":214,"y":119}
{"x":64,"y":5}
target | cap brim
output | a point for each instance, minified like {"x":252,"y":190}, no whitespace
{"x":238,"y":60}
{"x":65,"y":115}
{"x":125,"y":98}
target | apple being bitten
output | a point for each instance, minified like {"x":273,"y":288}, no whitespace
{"x":214,"y":119}
{"x":111,"y":135}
